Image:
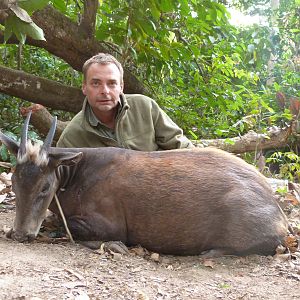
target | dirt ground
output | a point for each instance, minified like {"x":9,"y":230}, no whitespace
{"x":61,"y":270}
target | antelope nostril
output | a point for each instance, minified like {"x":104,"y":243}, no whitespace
{"x":30,"y":237}
{"x":22,"y":237}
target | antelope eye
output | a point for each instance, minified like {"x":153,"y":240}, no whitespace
{"x":45,"y":188}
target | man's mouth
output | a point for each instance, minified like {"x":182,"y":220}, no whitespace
{"x":103,"y":100}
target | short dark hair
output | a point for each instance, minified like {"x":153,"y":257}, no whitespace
{"x":103,"y":59}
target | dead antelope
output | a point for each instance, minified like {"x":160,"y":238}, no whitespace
{"x":181,"y":202}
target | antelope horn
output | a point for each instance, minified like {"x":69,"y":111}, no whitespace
{"x":22,"y":149}
{"x":50,"y":136}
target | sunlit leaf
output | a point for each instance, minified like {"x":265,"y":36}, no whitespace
{"x":148,"y":27}
{"x":35,"y":32}
{"x":60,"y":5}
{"x":167,"y":5}
{"x":20,"y":13}
{"x":32,"y":5}
{"x":21,"y":29}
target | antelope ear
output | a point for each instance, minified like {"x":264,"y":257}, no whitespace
{"x":11,"y":144}
{"x":65,"y":158}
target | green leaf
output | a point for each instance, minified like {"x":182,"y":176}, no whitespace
{"x":184,"y":7}
{"x":60,"y":5}
{"x":148,"y":27}
{"x":8,"y":28}
{"x":155,"y":12}
{"x":20,"y":36}
{"x":21,"y":29}
{"x":35,"y":32}
{"x":4,"y":153}
{"x":193,"y":135}
{"x":32,"y":5}
{"x":21,"y":13}
{"x":165,"y":51}
{"x":166,"y":5}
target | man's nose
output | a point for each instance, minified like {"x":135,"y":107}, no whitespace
{"x":104,"y":89}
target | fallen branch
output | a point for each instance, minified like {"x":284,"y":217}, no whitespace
{"x":5,"y":165}
{"x":252,"y":141}
{"x":41,"y":119}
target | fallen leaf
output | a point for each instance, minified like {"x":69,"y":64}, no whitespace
{"x":282,"y":257}
{"x":142,"y":296}
{"x":116,"y":256}
{"x":139,"y":251}
{"x":2,"y":197}
{"x":6,"y":229}
{"x":154,"y":257}
{"x":280,"y":249}
{"x":209,"y":263}
{"x":291,"y":198}
{"x":6,"y":178}
{"x":291,"y":243}
{"x":73,"y":284}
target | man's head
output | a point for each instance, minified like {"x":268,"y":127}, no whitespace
{"x":102,"y":83}
{"x":102,"y":59}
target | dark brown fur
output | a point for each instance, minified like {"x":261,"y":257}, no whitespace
{"x":180,"y":202}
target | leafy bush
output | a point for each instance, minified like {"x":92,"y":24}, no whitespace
{"x":289,"y":164}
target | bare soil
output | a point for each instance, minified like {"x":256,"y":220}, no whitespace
{"x":65,"y":271}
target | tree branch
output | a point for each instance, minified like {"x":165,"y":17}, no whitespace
{"x":41,"y":119}
{"x":88,"y":19}
{"x":68,"y":43}
{"x":252,"y":141}
{"x":40,"y":90}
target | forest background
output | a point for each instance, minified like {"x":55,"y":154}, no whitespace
{"x":216,"y":80}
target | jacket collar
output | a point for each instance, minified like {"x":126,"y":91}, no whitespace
{"x":86,"y":109}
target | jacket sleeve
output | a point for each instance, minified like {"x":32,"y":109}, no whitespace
{"x":63,"y":142}
{"x":167,"y":134}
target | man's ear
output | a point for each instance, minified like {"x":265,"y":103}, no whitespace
{"x":83,"y":88}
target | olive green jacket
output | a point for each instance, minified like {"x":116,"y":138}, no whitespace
{"x":141,"y":125}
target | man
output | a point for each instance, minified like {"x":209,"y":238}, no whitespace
{"x":110,"y":118}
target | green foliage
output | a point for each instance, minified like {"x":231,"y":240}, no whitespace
{"x":6,"y":156}
{"x":289,"y":163}
{"x":208,"y":75}
{"x":213,"y":79}
{"x":40,"y":63}
{"x":19,"y":22}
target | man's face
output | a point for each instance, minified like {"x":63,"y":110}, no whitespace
{"x":102,"y":87}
